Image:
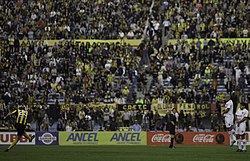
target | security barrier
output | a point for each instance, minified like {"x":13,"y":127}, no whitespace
{"x":120,"y":138}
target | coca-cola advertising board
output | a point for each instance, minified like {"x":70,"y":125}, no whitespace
{"x":189,"y":138}
{"x":158,"y":138}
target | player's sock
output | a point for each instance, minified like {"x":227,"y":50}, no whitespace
{"x":27,"y":136}
{"x":232,"y":133}
{"x":13,"y":144}
{"x":171,"y":143}
{"x":244,"y":144}
{"x":239,"y":144}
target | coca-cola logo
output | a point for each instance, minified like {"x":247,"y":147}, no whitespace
{"x":160,"y":138}
{"x":205,"y":138}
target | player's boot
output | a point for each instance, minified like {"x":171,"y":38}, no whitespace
{"x":6,"y":150}
{"x":239,"y":150}
{"x":171,"y":147}
{"x":32,"y":137}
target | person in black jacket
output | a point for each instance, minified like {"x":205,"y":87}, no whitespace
{"x":170,"y":121}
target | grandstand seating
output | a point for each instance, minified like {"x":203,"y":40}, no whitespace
{"x":28,"y":73}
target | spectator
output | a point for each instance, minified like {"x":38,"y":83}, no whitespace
{"x":242,"y":83}
{"x":113,"y":125}
{"x":126,"y":118}
{"x":60,"y":125}
{"x":68,"y":126}
{"x":106,"y":117}
{"x":45,"y":123}
{"x":136,"y":126}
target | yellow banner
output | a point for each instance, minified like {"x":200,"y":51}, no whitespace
{"x":162,"y":108}
{"x":89,"y":105}
{"x":248,"y":111}
{"x":232,"y":41}
{"x":102,"y":138}
{"x":186,"y":107}
{"x":136,"y":42}
{"x":132,"y":42}
{"x":192,"y":108}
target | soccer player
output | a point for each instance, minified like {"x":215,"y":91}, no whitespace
{"x":20,"y":124}
{"x":171,"y":122}
{"x":229,"y":118}
{"x":241,"y":118}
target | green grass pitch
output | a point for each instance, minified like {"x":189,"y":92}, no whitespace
{"x":123,"y":153}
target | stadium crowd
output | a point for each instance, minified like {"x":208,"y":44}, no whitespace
{"x":73,"y":19}
{"x":44,"y":77}
{"x":205,"y":18}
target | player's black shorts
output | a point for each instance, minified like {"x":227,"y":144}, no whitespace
{"x":171,"y":130}
{"x":20,"y":129}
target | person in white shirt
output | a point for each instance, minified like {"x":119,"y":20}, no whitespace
{"x":241,"y":119}
{"x":126,"y":118}
{"x":130,"y":34}
{"x":229,"y":118}
{"x":176,"y":114}
{"x":121,"y":34}
{"x":136,"y":126}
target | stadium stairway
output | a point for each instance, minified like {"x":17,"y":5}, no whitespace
{"x":132,"y":89}
{"x":134,"y":83}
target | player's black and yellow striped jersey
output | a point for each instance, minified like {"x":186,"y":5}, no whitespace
{"x":21,"y":116}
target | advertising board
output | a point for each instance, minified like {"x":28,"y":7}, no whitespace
{"x":189,"y":138}
{"x":102,"y":138}
{"x":8,"y":137}
{"x":47,"y":138}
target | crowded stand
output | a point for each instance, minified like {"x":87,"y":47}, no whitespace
{"x":204,"y":65}
{"x":68,"y":86}
{"x":208,"y":18}
{"x":73,"y":19}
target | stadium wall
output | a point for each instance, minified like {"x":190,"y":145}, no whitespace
{"x":86,"y":138}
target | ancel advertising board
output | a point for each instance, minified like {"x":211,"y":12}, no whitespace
{"x":102,"y":138}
